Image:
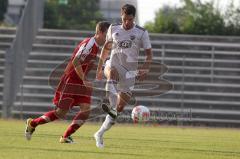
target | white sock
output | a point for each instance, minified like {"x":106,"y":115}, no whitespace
{"x":112,"y":99}
{"x":107,"y":124}
{"x":111,"y":86}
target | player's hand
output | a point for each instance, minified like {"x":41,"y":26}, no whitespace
{"x":88,"y":84}
{"x":99,"y":75}
{"x":141,"y":75}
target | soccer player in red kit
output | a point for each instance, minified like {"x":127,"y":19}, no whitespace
{"x":73,"y":89}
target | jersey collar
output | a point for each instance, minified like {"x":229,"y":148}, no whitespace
{"x":129,"y":29}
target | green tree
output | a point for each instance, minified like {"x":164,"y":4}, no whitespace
{"x":76,"y":14}
{"x":196,"y":18}
{"x":199,"y":18}
{"x":232,"y":20}
{"x":166,"y":21}
{"x":3,"y":9}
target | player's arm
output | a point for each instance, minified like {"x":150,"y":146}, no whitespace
{"x":144,"y":69}
{"x":103,"y":56}
{"x":82,"y":53}
{"x":78,"y":67}
{"x":148,"y":59}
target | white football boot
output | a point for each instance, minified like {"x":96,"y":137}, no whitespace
{"x":99,"y":140}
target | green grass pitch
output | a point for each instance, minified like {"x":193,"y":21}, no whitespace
{"x":121,"y":142}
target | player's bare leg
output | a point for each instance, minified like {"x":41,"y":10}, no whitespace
{"x":77,"y":122}
{"x":123,"y":98}
{"x":31,"y":124}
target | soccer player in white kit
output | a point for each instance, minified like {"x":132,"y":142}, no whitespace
{"x":124,"y":41}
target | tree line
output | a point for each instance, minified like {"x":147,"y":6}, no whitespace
{"x":196,"y":18}
{"x":73,"y":14}
{"x":193,"y":17}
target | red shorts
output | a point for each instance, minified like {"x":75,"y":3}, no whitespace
{"x":70,"y":93}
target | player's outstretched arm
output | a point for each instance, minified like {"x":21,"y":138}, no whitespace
{"x":103,"y":56}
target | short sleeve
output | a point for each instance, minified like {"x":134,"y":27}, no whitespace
{"x":85,"y":49}
{"x":109,"y":34}
{"x":146,"y":41}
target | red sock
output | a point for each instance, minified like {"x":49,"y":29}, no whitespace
{"x":77,"y":122}
{"x":48,"y":117}
{"x":71,"y":129}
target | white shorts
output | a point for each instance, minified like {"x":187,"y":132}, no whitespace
{"x":126,"y":78}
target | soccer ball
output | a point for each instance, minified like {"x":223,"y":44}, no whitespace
{"x":140,"y":114}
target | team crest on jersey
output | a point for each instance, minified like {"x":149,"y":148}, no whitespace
{"x":115,"y":34}
{"x":125,"y":44}
{"x":132,"y":37}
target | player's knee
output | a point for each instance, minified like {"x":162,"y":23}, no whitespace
{"x":82,"y":116}
{"x":61,"y":113}
{"x":120,"y":108}
{"x":85,"y":115}
{"x":113,"y":74}
{"x":85,"y":112}
{"x":124,"y":97}
{"x":127,"y":94}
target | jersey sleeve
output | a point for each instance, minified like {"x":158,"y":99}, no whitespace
{"x":85,"y":50}
{"x":109,"y":34}
{"x":146,"y":41}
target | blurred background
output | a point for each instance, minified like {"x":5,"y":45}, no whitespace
{"x":196,"y":43}
{"x":208,"y":17}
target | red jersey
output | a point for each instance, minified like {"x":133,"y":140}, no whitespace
{"x":86,"y":52}
{"x":70,"y":91}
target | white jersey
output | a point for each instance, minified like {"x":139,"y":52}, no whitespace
{"x":126,"y":45}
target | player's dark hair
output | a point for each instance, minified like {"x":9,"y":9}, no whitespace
{"x":128,"y":9}
{"x":102,"y":26}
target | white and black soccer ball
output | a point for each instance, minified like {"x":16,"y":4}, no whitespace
{"x":140,"y":114}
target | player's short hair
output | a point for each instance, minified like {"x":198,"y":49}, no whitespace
{"x":102,"y":26}
{"x":128,"y":9}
